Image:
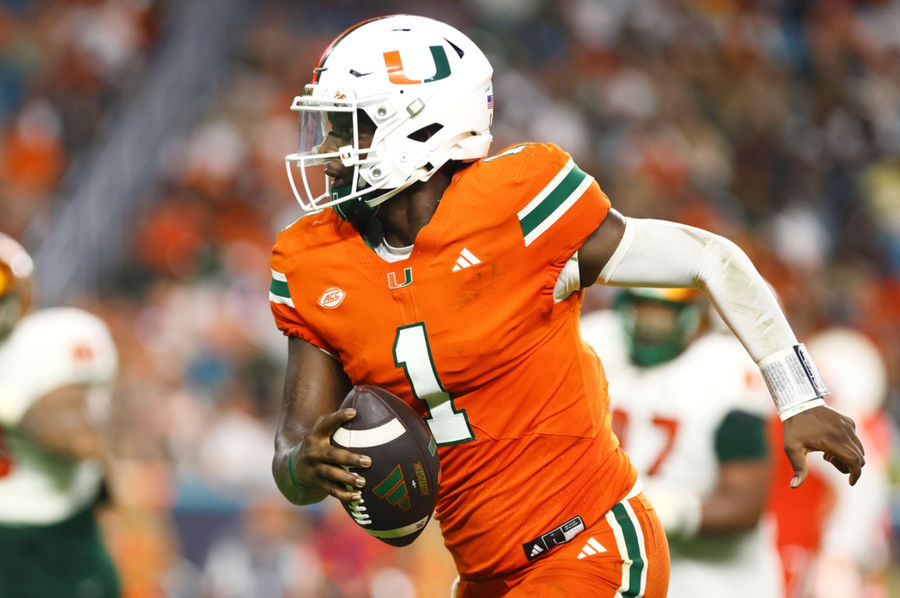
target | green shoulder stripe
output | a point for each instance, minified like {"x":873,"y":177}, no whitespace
{"x":279,"y":291}
{"x":553,"y":201}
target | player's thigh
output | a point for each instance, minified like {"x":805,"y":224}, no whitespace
{"x":625,"y":554}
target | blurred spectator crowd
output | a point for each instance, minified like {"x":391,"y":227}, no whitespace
{"x":774,"y":123}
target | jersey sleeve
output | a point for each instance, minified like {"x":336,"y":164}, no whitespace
{"x":284,"y":276}
{"x":53,"y":349}
{"x":561,"y":204}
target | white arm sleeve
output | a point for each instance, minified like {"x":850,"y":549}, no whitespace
{"x":667,"y":254}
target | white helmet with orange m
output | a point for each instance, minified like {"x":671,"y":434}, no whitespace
{"x":16,"y":270}
{"x":423,"y":85}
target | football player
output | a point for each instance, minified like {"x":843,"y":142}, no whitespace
{"x":56,"y":371}
{"x":841,"y":548}
{"x":686,"y":406}
{"x":454,"y":280}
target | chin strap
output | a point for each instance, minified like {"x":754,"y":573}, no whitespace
{"x":353,"y":210}
{"x":365,"y":206}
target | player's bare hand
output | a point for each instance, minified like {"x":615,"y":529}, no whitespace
{"x":319,"y":464}
{"x":826,"y":430}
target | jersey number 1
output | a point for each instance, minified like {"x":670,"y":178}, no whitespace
{"x":413,"y":354}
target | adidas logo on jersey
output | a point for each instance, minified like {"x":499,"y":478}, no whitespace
{"x":466,"y":259}
{"x":592,"y":547}
{"x":540,"y":546}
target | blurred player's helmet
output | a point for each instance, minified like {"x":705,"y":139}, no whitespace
{"x":16,"y":270}
{"x":853,"y":368}
{"x":412,"y":77}
{"x":659,"y":323}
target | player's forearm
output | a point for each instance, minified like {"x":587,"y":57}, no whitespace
{"x":739,"y":499}
{"x":735,"y":505}
{"x":728,"y":514}
{"x":667,"y":254}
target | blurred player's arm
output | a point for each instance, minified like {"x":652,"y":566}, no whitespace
{"x":307,"y":468}
{"x":69,"y":421}
{"x":738,"y":500}
{"x":644,"y":252}
{"x":745,"y":469}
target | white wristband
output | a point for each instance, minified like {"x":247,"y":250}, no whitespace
{"x":792,"y":411}
{"x":792,"y":378}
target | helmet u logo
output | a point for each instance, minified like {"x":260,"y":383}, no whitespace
{"x":395,"y":67}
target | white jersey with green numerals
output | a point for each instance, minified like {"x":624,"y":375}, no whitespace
{"x":678,"y":421}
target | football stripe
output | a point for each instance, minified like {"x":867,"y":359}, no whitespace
{"x":368,"y":438}
{"x":399,"y":532}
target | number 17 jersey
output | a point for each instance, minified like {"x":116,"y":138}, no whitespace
{"x":467,"y":331}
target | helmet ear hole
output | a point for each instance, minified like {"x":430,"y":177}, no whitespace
{"x":422,"y":135}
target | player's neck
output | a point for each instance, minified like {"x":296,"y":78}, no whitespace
{"x":403,"y":216}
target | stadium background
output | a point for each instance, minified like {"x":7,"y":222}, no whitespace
{"x":141,"y":146}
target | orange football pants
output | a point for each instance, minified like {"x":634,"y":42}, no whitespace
{"x":625,"y":554}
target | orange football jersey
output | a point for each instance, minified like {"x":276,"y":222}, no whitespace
{"x":466,"y":331}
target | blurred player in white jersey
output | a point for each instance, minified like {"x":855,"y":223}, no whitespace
{"x":840,"y":548}
{"x":690,"y":408}
{"x":57,"y":367}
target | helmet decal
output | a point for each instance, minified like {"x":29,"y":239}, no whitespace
{"x":395,"y":67}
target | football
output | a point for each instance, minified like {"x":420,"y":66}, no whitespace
{"x":403,"y":481}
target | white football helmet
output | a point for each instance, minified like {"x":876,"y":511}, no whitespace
{"x":854,"y":369}
{"x":16,"y":270}
{"x":408,"y":74}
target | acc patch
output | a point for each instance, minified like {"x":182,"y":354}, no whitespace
{"x":331,"y":298}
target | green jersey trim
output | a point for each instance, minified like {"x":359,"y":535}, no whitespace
{"x":629,"y":539}
{"x":553,"y":201}
{"x":279,"y":291}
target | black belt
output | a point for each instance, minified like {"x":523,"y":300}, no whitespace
{"x":541,"y":546}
